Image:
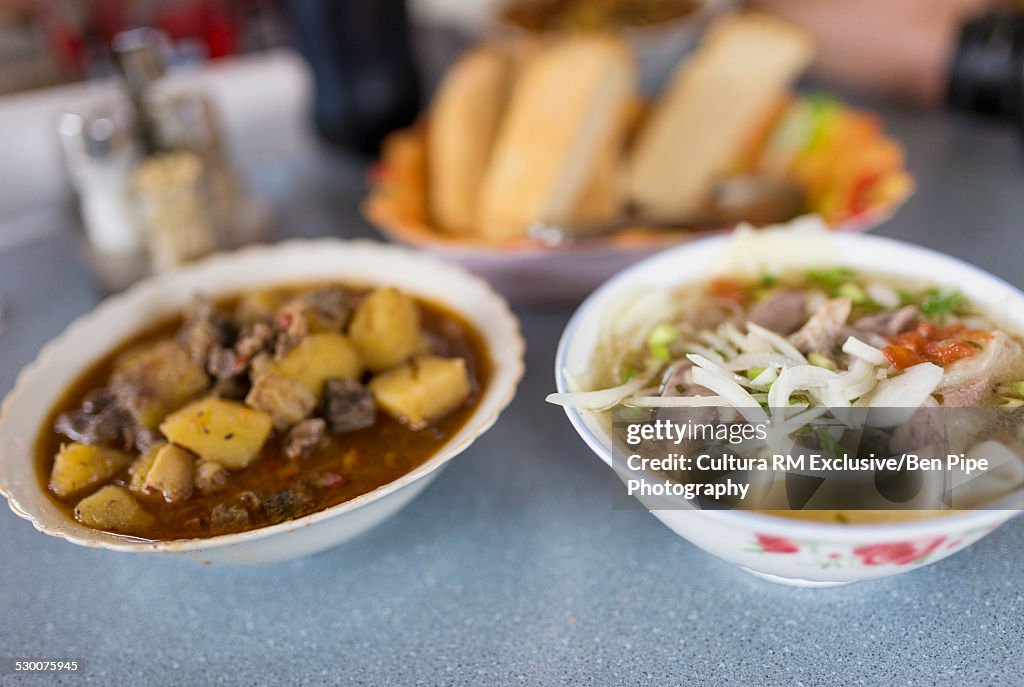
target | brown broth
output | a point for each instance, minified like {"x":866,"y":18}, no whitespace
{"x":367,"y":458}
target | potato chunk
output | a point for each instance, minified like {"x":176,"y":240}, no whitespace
{"x":287,"y":400}
{"x":386,"y":329}
{"x":139,"y":469}
{"x":319,"y":357}
{"x":156,"y":381}
{"x":422,"y":390}
{"x":225,"y":432}
{"x":172,"y":473}
{"x":113,"y":508}
{"x":79,"y":466}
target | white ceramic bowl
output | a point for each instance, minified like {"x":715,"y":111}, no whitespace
{"x":786,"y":550}
{"x":89,"y":338}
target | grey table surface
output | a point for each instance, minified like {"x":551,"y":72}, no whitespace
{"x":514,"y":567}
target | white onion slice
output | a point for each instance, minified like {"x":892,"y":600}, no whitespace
{"x":797,"y":378}
{"x":767,"y":377}
{"x":602,"y":399}
{"x":859,"y":349}
{"x":908,"y":390}
{"x":778,"y":342}
{"x":732,"y":392}
{"x":745,"y":361}
{"x":677,"y":402}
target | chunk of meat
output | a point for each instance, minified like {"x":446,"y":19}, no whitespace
{"x":224,"y":363}
{"x":328,"y":308}
{"x":292,"y":324}
{"x":783,"y":311}
{"x":228,"y":518}
{"x":287,"y":400}
{"x":305,"y":438}
{"x":258,"y":337}
{"x":233,"y":388}
{"x":108,"y":425}
{"x":878,"y":327}
{"x":715,"y":312}
{"x":969,"y":381}
{"x":677,"y":379}
{"x":347,"y":405}
{"x":822,"y":331}
{"x":285,"y":505}
{"x":146,"y":438}
{"x":210,"y":477}
{"x":204,"y":328}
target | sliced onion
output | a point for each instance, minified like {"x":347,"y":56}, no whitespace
{"x":602,"y":399}
{"x":908,"y":390}
{"x":701,"y":361}
{"x":732,"y":392}
{"x":746,"y":361}
{"x":704,"y":351}
{"x":677,"y":402}
{"x":797,"y":378}
{"x":859,"y":349}
{"x":779,"y":343}
{"x":883,"y":294}
{"x":767,"y":377}
{"x":859,"y":380}
{"x":717,"y":343}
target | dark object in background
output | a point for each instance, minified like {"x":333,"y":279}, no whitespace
{"x":987,"y":74}
{"x":366,"y":83}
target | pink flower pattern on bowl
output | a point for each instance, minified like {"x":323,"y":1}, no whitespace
{"x":897,"y":553}
{"x":825,"y":555}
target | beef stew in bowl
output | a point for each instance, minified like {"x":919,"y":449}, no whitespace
{"x":261,"y":408}
{"x":83,"y":359}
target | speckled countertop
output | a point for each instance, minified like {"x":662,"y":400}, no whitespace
{"x":513,"y":567}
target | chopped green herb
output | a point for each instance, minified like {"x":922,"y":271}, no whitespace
{"x":661,"y":353}
{"x":754,"y":372}
{"x":831,"y":279}
{"x":938,"y":303}
{"x":854,"y":292}
{"x":1015,"y":389}
{"x":662,"y":334}
{"x":629,"y":374}
{"x":659,"y":339}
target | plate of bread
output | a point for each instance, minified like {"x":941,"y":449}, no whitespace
{"x":551,"y":130}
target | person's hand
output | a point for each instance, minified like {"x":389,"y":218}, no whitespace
{"x":899,"y":48}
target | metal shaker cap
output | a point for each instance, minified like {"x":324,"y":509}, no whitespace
{"x":140,"y":56}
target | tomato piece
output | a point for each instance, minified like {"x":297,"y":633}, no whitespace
{"x":912,"y":339}
{"x":728,"y":289}
{"x":902,"y":357}
{"x":948,"y":351}
{"x":976,"y":336}
{"x":948,"y":332}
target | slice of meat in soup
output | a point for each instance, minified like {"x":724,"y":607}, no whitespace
{"x":821,"y":332}
{"x":783,"y":311}
{"x":877,"y":328}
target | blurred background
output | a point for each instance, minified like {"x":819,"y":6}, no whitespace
{"x":166,"y":130}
